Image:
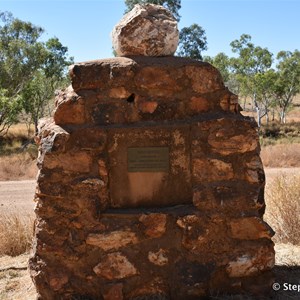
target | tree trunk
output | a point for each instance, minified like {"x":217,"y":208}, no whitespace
{"x":282,"y":117}
{"x":244,"y":104}
{"x":36,"y":126}
{"x":258,"y":116}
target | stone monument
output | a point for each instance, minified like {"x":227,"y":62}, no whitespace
{"x":150,"y":182}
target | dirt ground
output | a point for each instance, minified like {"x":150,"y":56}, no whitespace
{"x":17,"y":196}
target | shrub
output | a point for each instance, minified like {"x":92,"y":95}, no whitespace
{"x":283,"y":208}
{"x":16,"y":234}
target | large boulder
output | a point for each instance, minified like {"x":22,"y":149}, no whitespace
{"x":148,"y":30}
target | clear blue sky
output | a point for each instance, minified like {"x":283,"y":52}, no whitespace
{"x":85,"y":26}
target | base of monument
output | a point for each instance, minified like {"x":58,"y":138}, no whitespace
{"x":171,"y":253}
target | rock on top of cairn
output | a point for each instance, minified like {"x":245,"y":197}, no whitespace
{"x":148,"y":30}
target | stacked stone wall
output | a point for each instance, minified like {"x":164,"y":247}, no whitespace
{"x":105,"y":232}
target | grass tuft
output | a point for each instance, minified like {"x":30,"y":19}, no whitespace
{"x":16,"y":234}
{"x":283,"y":208}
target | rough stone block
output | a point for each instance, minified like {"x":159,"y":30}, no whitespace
{"x":148,"y":30}
{"x":250,"y":228}
{"x":112,"y":240}
{"x":252,"y":264}
{"x":208,"y":170}
{"x":115,"y":266}
{"x":155,"y":224}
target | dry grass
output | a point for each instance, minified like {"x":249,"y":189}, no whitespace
{"x":283,"y":208}
{"x":20,"y":130}
{"x":15,"y":282}
{"x":281,"y":155}
{"x":16,"y":234}
{"x":17,"y":154}
{"x":18,"y":166}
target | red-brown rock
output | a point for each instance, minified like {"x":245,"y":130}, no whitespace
{"x":250,"y":228}
{"x":155,"y":224}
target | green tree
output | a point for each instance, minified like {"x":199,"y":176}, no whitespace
{"x":171,"y":5}
{"x":192,"y":41}
{"x":9,"y":110}
{"x":48,"y":78}
{"x":265,"y":92}
{"x":222,"y":62}
{"x":22,"y":56}
{"x":251,"y":61}
{"x":287,"y":85}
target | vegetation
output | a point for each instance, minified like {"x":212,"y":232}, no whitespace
{"x":15,"y":234}
{"x":275,"y":133}
{"x":283,"y":208}
{"x":251,"y":75}
{"x":192,"y":41}
{"x":30,"y":70}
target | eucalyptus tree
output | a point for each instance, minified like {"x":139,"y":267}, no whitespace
{"x":20,"y":55}
{"x":223,"y":63}
{"x":23,"y":58}
{"x":49,"y":77}
{"x":265,"y":92}
{"x":287,"y":85}
{"x":192,"y":41}
{"x":251,"y":61}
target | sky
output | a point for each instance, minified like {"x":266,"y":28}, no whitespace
{"x":85,"y":26}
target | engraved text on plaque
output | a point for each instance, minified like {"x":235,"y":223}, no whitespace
{"x":148,"y":159}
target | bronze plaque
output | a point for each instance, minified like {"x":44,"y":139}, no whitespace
{"x":148,"y":159}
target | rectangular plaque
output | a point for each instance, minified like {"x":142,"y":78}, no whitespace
{"x":148,"y":159}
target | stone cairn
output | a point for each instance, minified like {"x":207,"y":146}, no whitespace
{"x":150,"y":182}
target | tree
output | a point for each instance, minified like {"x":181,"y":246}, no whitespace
{"x":192,"y":41}
{"x":171,"y":5}
{"x":9,"y":110}
{"x":37,"y":94}
{"x":222,"y":62}
{"x":287,"y":84}
{"x":20,"y":55}
{"x":48,"y":78}
{"x":264,"y":88}
{"x":251,"y":61}
{"x":22,"y":58}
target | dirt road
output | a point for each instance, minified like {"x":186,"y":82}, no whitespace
{"x":17,"y":196}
